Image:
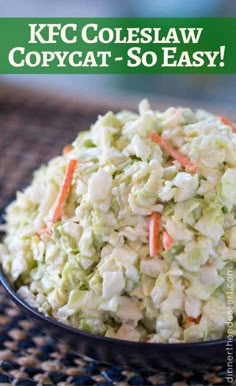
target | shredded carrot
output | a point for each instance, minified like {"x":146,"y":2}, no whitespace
{"x":67,"y":149}
{"x":64,"y":191}
{"x":44,"y":231}
{"x":226,"y":122}
{"x":189,"y":320}
{"x":154,"y":230}
{"x":174,"y":153}
{"x":167,"y":240}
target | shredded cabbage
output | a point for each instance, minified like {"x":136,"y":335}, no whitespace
{"x":93,"y":270}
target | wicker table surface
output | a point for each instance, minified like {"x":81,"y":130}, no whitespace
{"x":34,"y":127}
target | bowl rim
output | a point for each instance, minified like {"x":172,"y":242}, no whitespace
{"x":139,"y":345}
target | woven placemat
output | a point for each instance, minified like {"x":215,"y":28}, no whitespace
{"x":34,"y":127}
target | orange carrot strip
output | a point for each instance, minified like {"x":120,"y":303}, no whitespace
{"x":226,"y":122}
{"x":189,"y":320}
{"x":67,"y":149}
{"x":44,"y":231}
{"x":154,"y":230}
{"x":167,"y":240}
{"x":174,"y":153}
{"x":64,"y":191}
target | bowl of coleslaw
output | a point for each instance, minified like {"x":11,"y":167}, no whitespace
{"x":129,"y":238}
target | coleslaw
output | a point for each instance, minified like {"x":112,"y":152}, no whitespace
{"x":129,"y":233}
